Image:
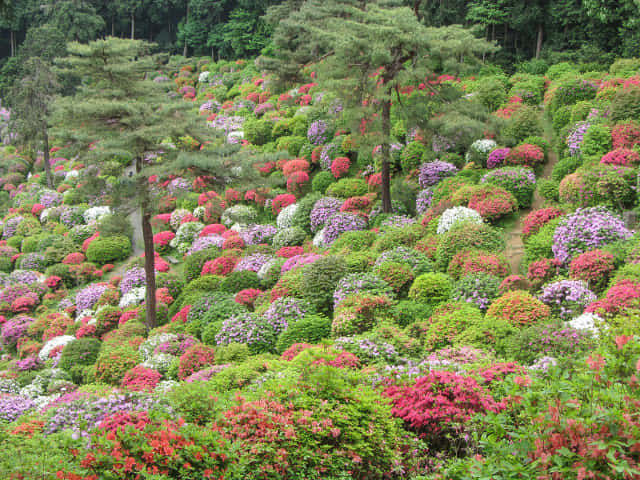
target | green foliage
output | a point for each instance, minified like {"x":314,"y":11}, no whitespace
{"x":411,"y":156}
{"x":465,"y":236}
{"x":431,"y":288}
{"x":491,"y":92}
{"x":539,"y":245}
{"x":321,"y":181}
{"x":193,"y":263}
{"x":523,"y":123}
{"x":565,"y":166}
{"x":257,"y":131}
{"x":626,"y":104}
{"x":347,"y":187}
{"x":596,"y":141}
{"x":78,"y":354}
{"x":319,"y":280}
{"x":548,"y":189}
{"x":109,"y":249}
{"x":236,"y":281}
{"x":309,"y":329}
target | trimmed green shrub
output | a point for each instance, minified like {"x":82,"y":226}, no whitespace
{"x":347,"y":187}
{"x":596,"y":141}
{"x":78,"y":354}
{"x":321,"y":181}
{"x":237,"y":281}
{"x":411,"y":156}
{"x":431,"y":288}
{"x":319,"y":280}
{"x":193,"y":263}
{"x":258,"y":132}
{"x":310,"y":329}
{"x":467,"y":236}
{"x":108,"y":249}
{"x":407,"y":312}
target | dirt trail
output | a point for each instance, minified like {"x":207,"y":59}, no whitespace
{"x":515,"y":248}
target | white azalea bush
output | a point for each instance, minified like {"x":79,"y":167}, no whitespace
{"x":454,"y":215}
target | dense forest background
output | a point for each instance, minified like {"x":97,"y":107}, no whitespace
{"x":574,"y":30}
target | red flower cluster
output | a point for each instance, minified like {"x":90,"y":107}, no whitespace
{"x":623,"y":295}
{"x":438,"y":401}
{"x":525,"y":155}
{"x":288,"y":252}
{"x":623,"y":157}
{"x":195,"y":359}
{"x":593,"y":267}
{"x":340,"y":166}
{"x":519,"y":308}
{"x":625,"y":135}
{"x":296,"y":165}
{"x":535,"y":220}
{"x":219,"y":266}
{"x":474,"y":261}
{"x":543,"y":270}
{"x":294,"y":350}
{"x":281,"y":201}
{"x":247,"y":296}
{"x":141,"y":379}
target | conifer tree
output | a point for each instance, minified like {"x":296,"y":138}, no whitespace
{"x":119,"y":113}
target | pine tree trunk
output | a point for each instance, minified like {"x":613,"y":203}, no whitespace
{"x":149,"y":268}
{"x":133,"y":26}
{"x":13,"y":43}
{"x":386,"y":156}
{"x":184,"y":52}
{"x":539,"y":41}
{"x":47,"y":165}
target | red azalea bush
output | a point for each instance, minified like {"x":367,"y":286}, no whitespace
{"x":535,"y":220}
{"x":470,"y":262}
{"x":219,"y":266}
{"x":359,"y":205}
{"x":247,"y":296}
{"x":594,"y":267}
{"x":295,"y":349}
{"x":525,"y":155}
{"x":213,"y":229}
{"x":298,"y":183}
{"x":281,"y":201}
{"x":624,"y":157}
{"x":625,"y":135}
{"x":492,"y":202}
{"x":518,"y":308}
{"x":75,"y":258}
{"x":195,"y":359}
{"x":129,"y":445}
{"x":182,"y":314}
{"x":342,"y":360}
{"x":543,"y":270}
{"x":288,"y":252}
{"x":439,"y":402}
{"x":231,"y":195}
{"x":141,"y":379}
{"x":233,"y":242}
{"x":296,"y":165}
{"x":161,"y":240}
{"x":622,"y":296}
{"x":340,"y":166}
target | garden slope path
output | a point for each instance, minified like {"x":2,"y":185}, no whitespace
{"x":135,"y":218}
{"x":514,"y":247}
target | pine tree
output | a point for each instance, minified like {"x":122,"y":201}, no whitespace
{"x":30,"y":101}
{"x":123,"y":114}
{"x":367,"y":51}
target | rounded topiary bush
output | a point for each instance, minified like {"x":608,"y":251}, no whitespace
{"x":319,"y":281}
{"x":309,"y":329}
{"x":108,"y":249}
{"x":79,"y":354}
{"x":241,"y":280}
{"x":431,"y":288}
{"x":518,"y":308}
{"x":467,"y":236}
{"x":114,"y":361}
{"x":447,"y":321}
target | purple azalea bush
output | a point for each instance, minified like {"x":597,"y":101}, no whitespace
{"x":13,"y":407}
{"x":317,"y":132}
{"x":432,"y":172}
{"x":587,"y":229}
{"x":88,"y":296}
{"x":340,"y":223}
{"x":497,"y":157}
{"x":322,"y":210}
{"x":134,"y":277}
{"x":567,"y":298}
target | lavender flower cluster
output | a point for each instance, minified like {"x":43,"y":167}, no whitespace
{"x":355,"y":283}
{"x":586,"y":229}
{"x":329,"y":152}
{"x":367,"y":350}
{"x":255,"y":234}
{"x":497,"y":157}
{"x":13,"y":407}
{"x":247,"y":328}
{"x":10,"y":226}
{"x":478,"y":289}
{"x":284,"y":312}
{"x":576,"y":136}
{"x":298,"y":261}
{"x":340,"y":223}
{"x":433,"y":172}
{"x":317,"y":132}
{"x":423,"y":200}
{"x":88,"y":296}
{"x":567,"y":298}
{"x":322,"y":210}
{"x":397,"y":221}
{"x":14,"y":329}
{"x":134,"y":277}
{"x":253,"y":262}
{"x":202,"y":243}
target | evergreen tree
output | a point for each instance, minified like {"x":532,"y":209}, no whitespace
{"x":368,"y":51}
{"x":30,"y":101}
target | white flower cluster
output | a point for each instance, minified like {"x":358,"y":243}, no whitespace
{"x":203,"y":77}
{"x":55,"y":342}
{"x":160,"y":362}
{"x":149,"y":345}
{"x":587,"y":321}
{"x":176,"y":217}
{"x":198,"y":212}
{"x":133,"y":297}
{"x":69,"y":175}
{"x":484,"y":145}
{"x":165,"y":386}
{"x":264,"y":269}
{"x":187,"y":233}
{"x":95,"y":213}
{"x":454,"y":215}
{"x":45,"y":213}
{"x":318,"y":239}
{"x":241,"y":214}
{"x":285,"y":217}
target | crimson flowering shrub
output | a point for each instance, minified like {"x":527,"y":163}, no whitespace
{"x":624,"y":295}
{"x":525,"y":155}
{"x":298,"y":183}
{"x":518,"y":308}
{"x":219,"y":266}
{"x":469,"y":262}
{"x":281,"y":201}
{"x":492,"y":202}
{"x":439,"y":403}
{"x":161,"y":240}
{"x":543,"y":270}
{"x":535,"y":220}
{"x":593,"y":267}
{"x":626,"y":135}
{"x":360,"y":205}
{"x":295,"y":349}
{"x":624,"y":157}
{"x":340,"y":166}
{"x":141,"y":379}
{"x":131,"y":444}
{"x":247,"y":296}
{"x":194,"y":359}
{"x":296,"y":165}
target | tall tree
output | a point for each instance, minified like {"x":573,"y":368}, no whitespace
{"x":122,"y":113}
{"x":30,"y":101}
{"x":368,"y":51}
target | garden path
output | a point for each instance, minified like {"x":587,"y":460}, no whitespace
{"x":515,"y":248}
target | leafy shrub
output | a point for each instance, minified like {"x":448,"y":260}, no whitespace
{"x":109,"y":249}
{"x":448,"y":321}
{"x":309,"y":329}
{"x":113,"y":362}
{"x":347,"y":187}
{"x":626,"y":104}
{"x":195,"y":359}
{"x":467,"y":237}
{"x":491,"y":92}
{"x":193,"y":263}
{"x":319,"y":281}
{"x":79,"y":354}
{"x":518,"y":308}
{"x":321,"y":181}
{"x":523,"y":123}
{"x":411,"y":156}
{"x":431,"y":288}
{"x":596,"y":141}
{"x":518,"y":181}
{"x":257,"y":131}
{"x":236,"y":281}
{"x":549,"y":189}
